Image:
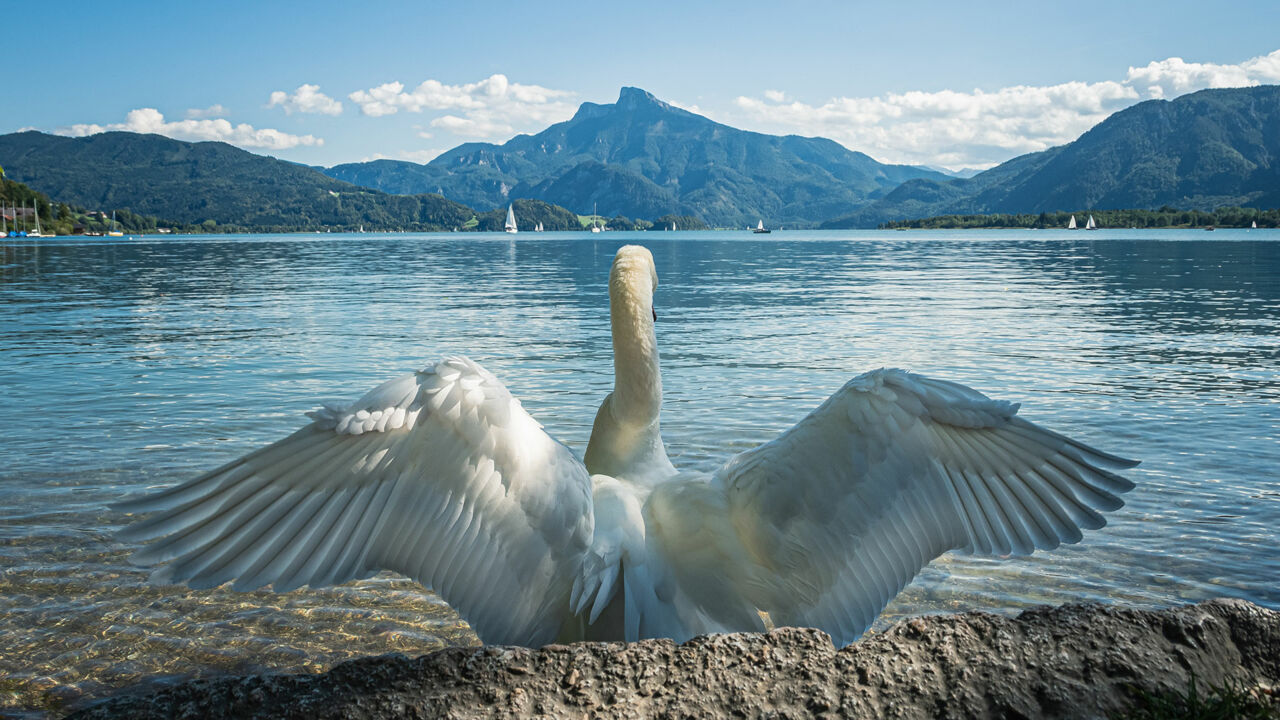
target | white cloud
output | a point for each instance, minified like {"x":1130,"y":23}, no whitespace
{"x":478,"y":123}
{"x":306,"y":99}
{"x":213,"y":111}
{"x":696,"y":110}
{"x":1175,"y":76}
{"x":488,"y":108}
{"x":980,"y":129}
{"x":150,"y":120}
{"x":419,"y":156}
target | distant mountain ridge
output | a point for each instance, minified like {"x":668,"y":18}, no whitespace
{"x":1199,"y":151}
{"x":646,"y":159}
{"x":640,"y":156}
{"x":193,"y":182}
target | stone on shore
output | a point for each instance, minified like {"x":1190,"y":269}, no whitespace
{"x":1076,"y":661}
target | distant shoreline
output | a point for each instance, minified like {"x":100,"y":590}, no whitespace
{"x":629,"y":233}
{"x":1165,"y":218}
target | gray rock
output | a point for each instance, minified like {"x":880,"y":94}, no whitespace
{"x":1076,"y":661}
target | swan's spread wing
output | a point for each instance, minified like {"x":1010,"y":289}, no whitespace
{"x":440,"y":475}
{"x":838,"y":513}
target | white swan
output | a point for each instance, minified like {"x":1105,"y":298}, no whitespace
{"x":442,"y":475}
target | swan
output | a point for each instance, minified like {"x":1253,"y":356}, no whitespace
{"x":443,"y":476}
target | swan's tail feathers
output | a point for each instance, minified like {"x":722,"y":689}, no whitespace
{"x":596,"y":586}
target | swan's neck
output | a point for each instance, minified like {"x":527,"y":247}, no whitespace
{"x":626,"y":441}
{"x":637,"y":381}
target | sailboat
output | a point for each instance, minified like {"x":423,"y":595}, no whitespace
{"x":1091,"y":225}
{"x":539,"y":227}
{"x":1072,"y":225}
{"x":1254,"y":226}
{"x":15,"y":232}
{"x":112,"y":231}
{"x":36,"y":212}
{"x":594,"y":226}
{"x":673,"y":227}
{"x":510,"y":226}
{"x":760,"y":228}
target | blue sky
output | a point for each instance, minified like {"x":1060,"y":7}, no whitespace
{"x":943,"y":83}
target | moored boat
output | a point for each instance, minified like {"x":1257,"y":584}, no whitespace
{"x":112,"y":231}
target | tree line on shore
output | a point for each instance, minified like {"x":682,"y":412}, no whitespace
{"x":1165,"y":217}
{"x":65,"y":219}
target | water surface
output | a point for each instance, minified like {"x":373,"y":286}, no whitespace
{"x":130,"y":364}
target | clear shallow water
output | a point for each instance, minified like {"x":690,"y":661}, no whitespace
{"x":131,"y":364}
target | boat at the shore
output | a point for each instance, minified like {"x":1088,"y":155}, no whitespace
{"x":1091,"y":225}
{"x":36,"y":212}
{"x":1072,"y":225}
{"x":112,"y":231}
{"x":761,"y":229}
{"x":14,"y":232}
{"x":510,"y":225}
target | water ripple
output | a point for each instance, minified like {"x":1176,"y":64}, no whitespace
{"x":137,"y":364}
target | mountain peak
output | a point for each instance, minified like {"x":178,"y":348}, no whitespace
{"x":629,"y":98}
{"x":633,"y":97}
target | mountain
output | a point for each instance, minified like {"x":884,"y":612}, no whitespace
{"x":640,"y":157}
{"x":1200,"y":151}
{"x":191,"y":183}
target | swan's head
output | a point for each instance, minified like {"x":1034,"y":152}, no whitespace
{"x":632,"y":279}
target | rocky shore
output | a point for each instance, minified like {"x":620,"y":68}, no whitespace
{"x":1076,"y":661}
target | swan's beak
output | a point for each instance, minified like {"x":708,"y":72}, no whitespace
{"x":655,"y":314}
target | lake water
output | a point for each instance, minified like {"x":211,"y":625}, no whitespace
{"x":129,"y":364}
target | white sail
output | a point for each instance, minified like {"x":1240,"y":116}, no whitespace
{"x":760,"y":225}
{"x":1255,"y":225}
{"x":511,"y":220}
{"x":1072,"y":225}
{"x":113,"y":232}
{"x":1091,"y":225}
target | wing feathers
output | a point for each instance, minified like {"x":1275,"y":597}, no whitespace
{"x":439,"y":474}
{"x":887,"y":474}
